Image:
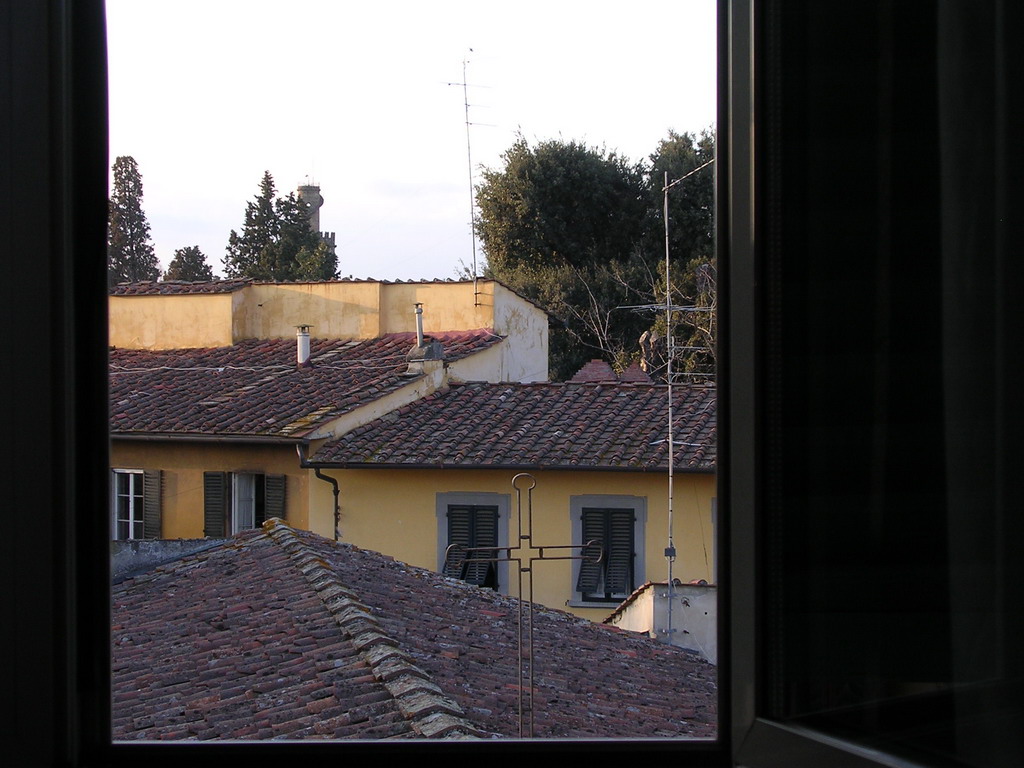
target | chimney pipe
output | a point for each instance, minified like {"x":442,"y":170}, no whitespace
{"x":419,"y":324}
{"x":302,"y":345}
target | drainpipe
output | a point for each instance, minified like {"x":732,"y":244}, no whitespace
{"x":300,"y":448}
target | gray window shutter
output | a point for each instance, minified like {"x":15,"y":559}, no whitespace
{"x":215,"y":504}
{"x":619,"y":573}
{"x":485,"y":534}
{"x":613,"y":528}
{"x":459,"y":535}
{"x":274,"y":490}
{"x":593,"y":530}
{"x":152,"y":492}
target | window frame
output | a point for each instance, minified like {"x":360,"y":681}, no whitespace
{"x":136,"y":476}
{"x":64,"y":648}
{"x":150,"y":508}
{"x":59,"y":607}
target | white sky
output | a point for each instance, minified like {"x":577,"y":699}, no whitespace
{"x":206,"y":95}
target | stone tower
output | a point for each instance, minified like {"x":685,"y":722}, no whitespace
{"x":310,"y":193}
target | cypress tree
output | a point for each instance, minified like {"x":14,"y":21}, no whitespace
{"x":244,"y":257}
{"x":130,"y":253}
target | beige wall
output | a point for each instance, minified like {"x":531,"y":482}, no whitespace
{"x":183,"y":464}
{"x":171,"y":322}
{"x":334,"y":310}
{"x":446,"y":307}
{"x":395,"y":512}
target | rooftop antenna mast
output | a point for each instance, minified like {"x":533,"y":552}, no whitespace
{"x":670,"y":550}
{"x":469,"y":161}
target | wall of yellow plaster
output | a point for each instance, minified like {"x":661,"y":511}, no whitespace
{"x":170,"y":322}
{"x":394,"y":512}
{"x":183,"y":465}
{"x":446,"y":306}
{"x":334,"y":310}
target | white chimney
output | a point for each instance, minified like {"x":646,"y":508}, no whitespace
{"x":302,"y":345}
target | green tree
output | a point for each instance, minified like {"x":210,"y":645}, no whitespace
{"x":130,"y":253}
{"x":563,"y":224}
{"x":276,"y":242}
{"x":189,"y":264}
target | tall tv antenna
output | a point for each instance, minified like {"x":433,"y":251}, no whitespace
{"x":670,"y":550}
{"x":469,"y":162}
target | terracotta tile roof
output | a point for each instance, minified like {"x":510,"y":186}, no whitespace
{"x":176,"y":287}
{"x":279,"y":633}
{"x":532,"y":426}
{"x":169,"y":287}
{"x":255,"y":388}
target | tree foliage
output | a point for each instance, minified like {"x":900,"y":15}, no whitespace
{"x":189,"y":264}
{"x":580,"y":231}
{"x":559,"y":203}
{"x":276,"y":242}
{"x":130,"y":253}
{"x":691,"y":222}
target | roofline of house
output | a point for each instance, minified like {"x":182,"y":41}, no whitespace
{"x":504,"y":467}
{"x":192,"y":437}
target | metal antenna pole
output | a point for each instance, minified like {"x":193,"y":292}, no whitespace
{"x":670,"y":550}
{"x":469,"y":160}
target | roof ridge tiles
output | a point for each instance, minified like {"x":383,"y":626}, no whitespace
{"x":428,"y":710}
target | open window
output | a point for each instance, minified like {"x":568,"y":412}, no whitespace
{"x":235,"y":501}
{"x":812,"y":97}
{"x":135,"y":503}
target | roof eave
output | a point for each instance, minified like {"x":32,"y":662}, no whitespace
{"x":507,"y":467}
{"x":195,"y":437}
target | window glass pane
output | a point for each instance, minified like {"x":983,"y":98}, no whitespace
{"x":243,"y":501}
